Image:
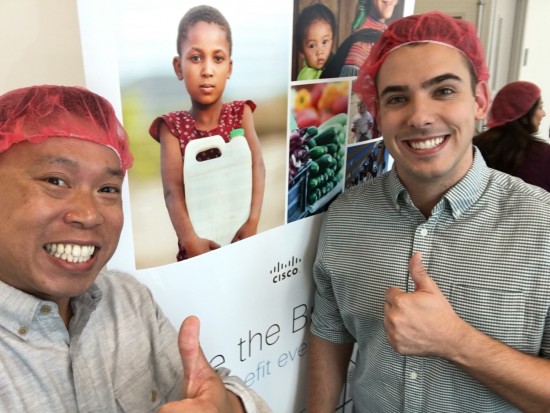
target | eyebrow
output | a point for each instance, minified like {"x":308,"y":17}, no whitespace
{"x":425,"y":85}
{"x":201,"y":50}
{"x":71,"y":163}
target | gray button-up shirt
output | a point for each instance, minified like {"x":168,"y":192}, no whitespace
{"x":119,"y":353}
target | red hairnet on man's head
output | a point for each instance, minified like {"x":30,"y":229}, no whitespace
{"x":36,"y":113}
{"x":432,"y":27}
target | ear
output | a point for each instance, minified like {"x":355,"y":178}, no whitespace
{"x":482,"y":98}
{"x":176,"y":63}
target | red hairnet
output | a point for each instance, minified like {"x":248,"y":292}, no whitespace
{"x":512,"y":102}
{"x":36,"y":113}
{"x":432,"y":27}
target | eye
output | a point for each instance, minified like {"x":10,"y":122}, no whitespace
{"x":110,"y":189}
{"x":444,"y":91}
{"x":395,"y":100}
{"x":56,"y":181}
{"x":195,"y":58}
{"x":219,"y":59}
{"x":311,"y":46}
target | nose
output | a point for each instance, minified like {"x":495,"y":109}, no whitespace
{"x":83,"y":210}
{"x":420,"y":113}
{"x":207,"y":68}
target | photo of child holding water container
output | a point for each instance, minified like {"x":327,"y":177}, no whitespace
{"x":212,"y":168}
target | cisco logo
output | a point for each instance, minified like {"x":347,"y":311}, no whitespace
{"x":283,"y":271}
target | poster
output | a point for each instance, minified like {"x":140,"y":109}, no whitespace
{"x":254,"y":296}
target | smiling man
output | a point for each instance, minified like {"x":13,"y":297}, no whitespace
{"x":73,"y":336}
{"x":449,"y":305}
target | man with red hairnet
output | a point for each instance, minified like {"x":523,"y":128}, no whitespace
{"x":73,"y":336}
{"x":449,"y":306}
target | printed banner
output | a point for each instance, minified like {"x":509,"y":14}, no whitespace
{"x":253,"y":296}
{"x":254,"y":302}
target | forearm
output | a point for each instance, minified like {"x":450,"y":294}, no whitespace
{"x":521,"y":379}
{"x":328,"y":364}
{"x":258,"y":165}
{"x":179,"y":216}
{"x":173,"y":185}
{"x":258,"y":188}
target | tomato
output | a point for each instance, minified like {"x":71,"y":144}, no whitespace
{"x":307,"y":117}
{"x":340,"y":105}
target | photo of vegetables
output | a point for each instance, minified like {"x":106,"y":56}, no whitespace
{"x":317,"y":146}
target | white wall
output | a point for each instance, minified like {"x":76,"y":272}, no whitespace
{"x":465,"y":9}
{"x":536,"y":66}
{"x":40,"y":43}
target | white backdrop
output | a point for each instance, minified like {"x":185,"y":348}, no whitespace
{"x":254,"y":297}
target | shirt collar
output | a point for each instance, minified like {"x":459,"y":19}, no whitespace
{"x":460,"y":197}
{"x":470,"y":188}
{"x":18,"y":309}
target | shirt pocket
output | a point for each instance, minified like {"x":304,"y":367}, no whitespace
{"x":152,"y":385}
{"x":498,"y":313}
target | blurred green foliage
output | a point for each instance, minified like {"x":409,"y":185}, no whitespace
{"x":145,"y":149}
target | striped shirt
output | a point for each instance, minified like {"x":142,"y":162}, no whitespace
{"x":486,"y":245}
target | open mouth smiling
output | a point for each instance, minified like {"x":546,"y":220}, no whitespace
{"x":426,"y":143}
{"x":70,"y":252}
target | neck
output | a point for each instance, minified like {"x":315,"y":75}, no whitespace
{"x":426,"y":196}
{"x":427,"y":187}
{"x":206,"y":116}
{"x":426,"y":193}
{"x":65,"y":310}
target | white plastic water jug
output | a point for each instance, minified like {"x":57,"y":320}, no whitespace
{"x":218,"y":191}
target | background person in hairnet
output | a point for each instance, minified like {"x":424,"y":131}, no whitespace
{"x":451,"y":311}
{"x":512,"y":143}
{"x":73,"y":337}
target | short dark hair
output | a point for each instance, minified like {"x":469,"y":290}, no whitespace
{"x":309,"y":15}
{"x":203,"y":13}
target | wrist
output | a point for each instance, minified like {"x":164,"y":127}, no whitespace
{"x":234,"y":403}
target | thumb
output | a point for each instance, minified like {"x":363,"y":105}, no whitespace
{"x":214,"y":245}
{"x":422,"y":280}
{"x":195,"y":365}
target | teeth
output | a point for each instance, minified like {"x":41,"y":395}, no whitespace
{"x":70,"y":253}
{"x":428,"y":144}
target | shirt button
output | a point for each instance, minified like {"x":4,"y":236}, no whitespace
{"x":23,"y":330}
{"x":423,"y":232}
{"x":45,"y":309}
{"x":413,"y":375}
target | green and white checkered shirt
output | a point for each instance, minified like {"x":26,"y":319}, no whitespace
{"x":487,"y":246}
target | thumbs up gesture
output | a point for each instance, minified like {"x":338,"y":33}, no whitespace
{"x":203,"y":389}
{"x":422,"y":322}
